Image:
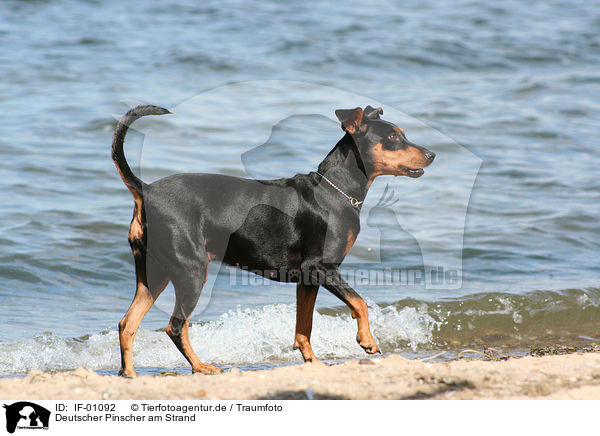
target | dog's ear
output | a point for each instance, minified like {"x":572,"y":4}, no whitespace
{"x":373,"y":113}
{"x":351,"y":119}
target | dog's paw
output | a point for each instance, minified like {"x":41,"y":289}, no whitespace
{"x":207,"y":369}
{"x":368,"y":344}
{"x":127,"y":374}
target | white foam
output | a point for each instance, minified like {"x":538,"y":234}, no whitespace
{"x":238,"y":337}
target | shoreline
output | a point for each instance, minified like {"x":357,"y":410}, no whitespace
{"x":570,"y":376}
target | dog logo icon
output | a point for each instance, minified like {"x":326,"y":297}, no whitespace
{"x":26,"y":415}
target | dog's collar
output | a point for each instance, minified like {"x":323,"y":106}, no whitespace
{"x":353,"y":201}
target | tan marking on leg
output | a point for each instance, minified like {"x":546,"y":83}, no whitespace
{"x":136,"y":230}
{"x":350,"y":243}
{"x":128,"y":326}
{"x":178,"y":331}
{"x":361,"y":314}
{"x":305,"y":304}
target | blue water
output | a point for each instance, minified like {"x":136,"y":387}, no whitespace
{"x":508,"y":96}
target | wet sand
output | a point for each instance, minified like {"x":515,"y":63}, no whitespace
{"x":573,"y":376}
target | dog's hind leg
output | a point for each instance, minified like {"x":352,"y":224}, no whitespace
{"x":147,"y":291}
{"x":305,"y":304}
{"x":187,"y":292}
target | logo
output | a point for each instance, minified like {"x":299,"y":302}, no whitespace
{"x":26,"y":415}
{"x":426,"y":234}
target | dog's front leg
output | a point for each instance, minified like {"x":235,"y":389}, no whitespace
{"x":305,"y":304}
{"x":330,"y":278}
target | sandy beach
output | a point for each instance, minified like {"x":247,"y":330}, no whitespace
{"x":573,"y":376}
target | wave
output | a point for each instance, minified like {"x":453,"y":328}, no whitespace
{"x":251,"y":336}
{"x":238,"y":337}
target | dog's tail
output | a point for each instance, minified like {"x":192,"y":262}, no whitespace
{"x":131,"y":181}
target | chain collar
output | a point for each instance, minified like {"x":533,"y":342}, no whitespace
{"x":353,"y":201}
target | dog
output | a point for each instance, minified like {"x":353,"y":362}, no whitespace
{"x":296,"y":230}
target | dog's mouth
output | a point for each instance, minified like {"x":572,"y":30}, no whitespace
{"x":410,"y":172}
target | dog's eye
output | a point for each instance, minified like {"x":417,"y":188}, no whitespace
{"x":393,"y":137}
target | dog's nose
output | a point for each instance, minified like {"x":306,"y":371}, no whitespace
{"x":429,"y":155}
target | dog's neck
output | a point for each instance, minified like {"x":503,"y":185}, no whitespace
{"x":344,"y":167}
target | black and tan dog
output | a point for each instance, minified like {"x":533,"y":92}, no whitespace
{"x":291,"y":230}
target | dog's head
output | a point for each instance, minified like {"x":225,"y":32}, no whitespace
{"x":382,"y":145}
